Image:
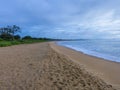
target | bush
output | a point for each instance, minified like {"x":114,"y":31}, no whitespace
{"x":1,"y":39}
{"x":17,"y":37}
{"x":27,"y":37}
{"x":15,"y":42}
{"x":6,"y":37}
{"x":5,"y":43}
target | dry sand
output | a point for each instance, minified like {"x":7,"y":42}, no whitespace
{"x":40,"y":67}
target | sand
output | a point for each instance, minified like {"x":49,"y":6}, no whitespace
{"x":47,"y":66}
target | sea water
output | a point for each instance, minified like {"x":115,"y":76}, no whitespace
{"x":106,"y":49}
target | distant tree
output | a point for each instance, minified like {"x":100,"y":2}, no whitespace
{"x":2,"y":30}
{"x":13,"y":30}
{"x":17,"y":37}
{"x":9,"y":32}
{"x":27,"y":37}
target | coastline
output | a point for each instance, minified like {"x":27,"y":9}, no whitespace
{"x":105,"y":69}
{"x":92,"y":53}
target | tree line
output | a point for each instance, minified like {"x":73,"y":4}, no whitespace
{"x":11,"y":33}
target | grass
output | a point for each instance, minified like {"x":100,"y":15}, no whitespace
{"x":4,"y":43}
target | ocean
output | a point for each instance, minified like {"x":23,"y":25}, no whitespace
{"x":106,"y":49}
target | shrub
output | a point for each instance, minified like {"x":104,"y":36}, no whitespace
{"x":6,"y":36}
{"x":5,"y":43}
{"x":17,"y":37}
{"x":1,"y":39}
{"x":27,"y":37}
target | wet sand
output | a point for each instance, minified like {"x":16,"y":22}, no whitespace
{"x":46,"y":66}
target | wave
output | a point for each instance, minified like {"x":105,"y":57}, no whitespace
{"x":91,"y":52}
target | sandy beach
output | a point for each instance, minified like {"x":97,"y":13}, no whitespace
{"x":47,"y":66}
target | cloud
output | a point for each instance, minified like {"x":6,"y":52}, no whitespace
{"x":63,"y":18}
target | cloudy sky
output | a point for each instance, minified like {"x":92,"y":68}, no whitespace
{"x":92,"y":19}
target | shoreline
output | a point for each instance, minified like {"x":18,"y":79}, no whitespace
{"x":105,"y":69}
{"x":88,"y":54}
{"x":97,"y":55}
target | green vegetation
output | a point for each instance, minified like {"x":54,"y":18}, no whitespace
{"x":8,"y":37}
{"x":4,"y":43}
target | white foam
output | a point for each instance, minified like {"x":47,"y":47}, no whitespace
{"x":93,"y":53}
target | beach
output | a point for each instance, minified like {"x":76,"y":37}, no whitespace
{"x":47,"y":66}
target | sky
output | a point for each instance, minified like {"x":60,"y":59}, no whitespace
{"x":68,"y":19}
